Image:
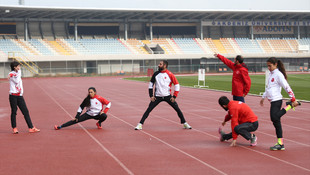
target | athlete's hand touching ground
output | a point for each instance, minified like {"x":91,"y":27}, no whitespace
{"x":233,"y":143}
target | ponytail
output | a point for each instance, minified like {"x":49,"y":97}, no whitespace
{"x":87,"y":99}
{"x":281,"y":68}
{"x":280,"y":65}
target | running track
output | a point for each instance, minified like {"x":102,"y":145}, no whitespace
{"x":162,"y":147}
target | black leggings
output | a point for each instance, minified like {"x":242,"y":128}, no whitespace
{"x":84,"y":117}
{"x":152,"y":105}
{"x":275,"y":115}
{"x":244,"y":130}
{"x":20,"y":102}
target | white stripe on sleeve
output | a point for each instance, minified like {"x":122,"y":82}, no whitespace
{"x":108,"y":105}
{"x":151,"y":85}
{"x":177,"y":87}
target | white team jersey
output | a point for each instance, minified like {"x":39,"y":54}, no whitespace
{"x":163,"y":81}
{"x":96,"y":106}
{"x":275,"y":84}
{"x":16,"y":83}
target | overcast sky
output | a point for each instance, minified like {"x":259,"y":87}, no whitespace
{"x":172,"y":4}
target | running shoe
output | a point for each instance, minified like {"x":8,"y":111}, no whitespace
{"x":277,"y":147}
{"x":98,"y":125}
{"x":138,"y":127}
{"x":34,"y":129}
{"x":56,"y":127}
{"x":186,"y":126}
{"x":253,"y":140}
{"x":15,"y":131}
{"x":221,"y":134}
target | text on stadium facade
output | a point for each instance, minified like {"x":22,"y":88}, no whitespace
{"x":255,"y":23}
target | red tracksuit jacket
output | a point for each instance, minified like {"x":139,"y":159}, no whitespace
{"x":241,"y":81}
{"x":238,"y":113}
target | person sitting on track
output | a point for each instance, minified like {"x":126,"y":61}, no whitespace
{"x":243,"y":121}
{"x":16,"y":98}
{"x":94,"y":110}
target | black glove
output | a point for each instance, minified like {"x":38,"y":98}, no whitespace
{"x":77,"y":115}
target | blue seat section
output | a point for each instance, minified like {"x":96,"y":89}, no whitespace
{"x":188,"y":45}
{"x":98,"y":46}
{"x":304,"y":41}
{"x":249,"y":46}
{"x":7,"y":45}
{"x":41,"y":47}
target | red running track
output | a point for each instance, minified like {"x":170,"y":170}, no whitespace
{"x":162,"y":147}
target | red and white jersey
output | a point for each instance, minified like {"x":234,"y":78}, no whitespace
{"x":96,"y":106}
{"x":163,"y":81}
{"x":16,"y":83}
{"x":275,"y":84}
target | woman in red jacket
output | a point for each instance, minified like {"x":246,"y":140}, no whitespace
{"x":241,"y":81}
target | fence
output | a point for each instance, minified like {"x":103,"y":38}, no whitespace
{"x":141,"y":67}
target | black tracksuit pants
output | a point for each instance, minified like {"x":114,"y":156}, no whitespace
{"x":244,"y":130}
{"x":275,"y":115}
{"x":20,"y":102}
{"x":152,"y":105}
{"x":84,"y":117}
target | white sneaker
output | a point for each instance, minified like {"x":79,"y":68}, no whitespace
{"x":138,"y":127}
{"x":186,"y":126}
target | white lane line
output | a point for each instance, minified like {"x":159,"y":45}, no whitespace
{"x":289,"y":163}
{"x":171,"y":146}
{"x":119,"y":94}
{"x":91,"y":136}
{"x":220,"y":121}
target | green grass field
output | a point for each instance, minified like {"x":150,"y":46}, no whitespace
{"x":300,"y":83}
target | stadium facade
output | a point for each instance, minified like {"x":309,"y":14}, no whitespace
{"x":111,"y":41}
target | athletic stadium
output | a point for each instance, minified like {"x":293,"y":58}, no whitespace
{"x":55,"y":41}
{"x":64,"y":51}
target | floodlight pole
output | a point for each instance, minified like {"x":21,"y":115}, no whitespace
{"x":26,"y":29}
{"x":201,"y":30}
{"x":75,"y":30}
{"x":298,"y":31}
{"x":252,"y":30}
{"x":151,"y":29}
{"x":126,"y":28}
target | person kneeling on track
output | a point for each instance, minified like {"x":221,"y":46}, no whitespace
{"x":243,"y":121}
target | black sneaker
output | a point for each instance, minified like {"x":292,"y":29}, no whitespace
{"x":253,"y":140}
{"x":277,"y":147}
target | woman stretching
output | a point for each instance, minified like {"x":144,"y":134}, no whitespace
{"x":94,"y":110}
{"x":277,"y":80}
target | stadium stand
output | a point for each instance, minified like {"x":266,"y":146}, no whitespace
{"x":76,"y":38}
{"x":133,"y":46}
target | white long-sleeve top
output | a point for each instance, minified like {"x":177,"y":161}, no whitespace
{"x":96,"y":106}
{"x":276,"y":82}
{"x":16,"y":83}
{"x":163,"y":81}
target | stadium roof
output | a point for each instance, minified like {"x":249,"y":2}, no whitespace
{"x":20,"y":13}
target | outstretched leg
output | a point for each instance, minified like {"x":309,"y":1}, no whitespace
{"x":81,"y":118}
{"x":175,"y":106}
{"x":152,"y":105}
